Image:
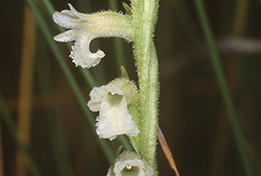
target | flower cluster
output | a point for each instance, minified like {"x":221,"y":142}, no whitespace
{"x":112,"y":100}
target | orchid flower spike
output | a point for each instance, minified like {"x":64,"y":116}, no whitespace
{"x":129,"y":163}
{"x":112,"y":102}
{"x":83,"y":28}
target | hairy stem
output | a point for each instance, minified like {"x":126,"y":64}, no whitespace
{"x":144,"y":18}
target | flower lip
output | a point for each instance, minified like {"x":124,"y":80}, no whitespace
{"x":83,"y":28}
{"x":112,"y":103}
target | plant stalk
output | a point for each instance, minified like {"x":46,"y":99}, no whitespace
{"x":144,"y":18}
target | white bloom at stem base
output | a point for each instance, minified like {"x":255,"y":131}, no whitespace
{"x":85,"y":27}
{"x":112,"y":102}
{"x":129,"y":163}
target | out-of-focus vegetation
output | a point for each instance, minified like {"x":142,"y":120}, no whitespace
{"x":45,"y":96}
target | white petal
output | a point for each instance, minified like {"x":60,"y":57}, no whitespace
{"x":66,"y":36}
{"x":114,"y":118}
{"x":66,"y":20}
{"x":81,"y":53}
{"x":97,"y":93}
{"x":78,"y":14}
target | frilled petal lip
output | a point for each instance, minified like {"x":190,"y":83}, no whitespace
{"x":115,"y":118}
{"x":81,"y":54}
{"x":114,"y":122}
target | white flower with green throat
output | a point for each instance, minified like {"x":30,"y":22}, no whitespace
{"x":112,"y":102}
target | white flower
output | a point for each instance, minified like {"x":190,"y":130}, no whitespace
{"x":129,"y":163}
{"x":112,"y":101}
{"x":85,"y":27}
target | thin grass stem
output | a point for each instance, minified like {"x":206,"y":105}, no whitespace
{"x":118,"y":45}
{"x":25,"y":87}
{"x":235,"y":124}
{"x":2,"y":168}
{"x":9,"y":121}
{"x":186,"y":20}
{"x":62,"y":160}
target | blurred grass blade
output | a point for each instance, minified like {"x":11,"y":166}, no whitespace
{"x":2,"y":168}
{"x":240,"y":17}
{"x":25,"y":87}
{"x":62,"y":159}
{"x":236,"y":128}
{"x":69,"y":76}
{"x":7,"y":118}
{"x":186,"y":20}
{"x":233,"y":66}
{"x":118,"y":46}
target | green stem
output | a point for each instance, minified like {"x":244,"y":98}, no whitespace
{"x":144,"y":18}
{"x":235,"y":124}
